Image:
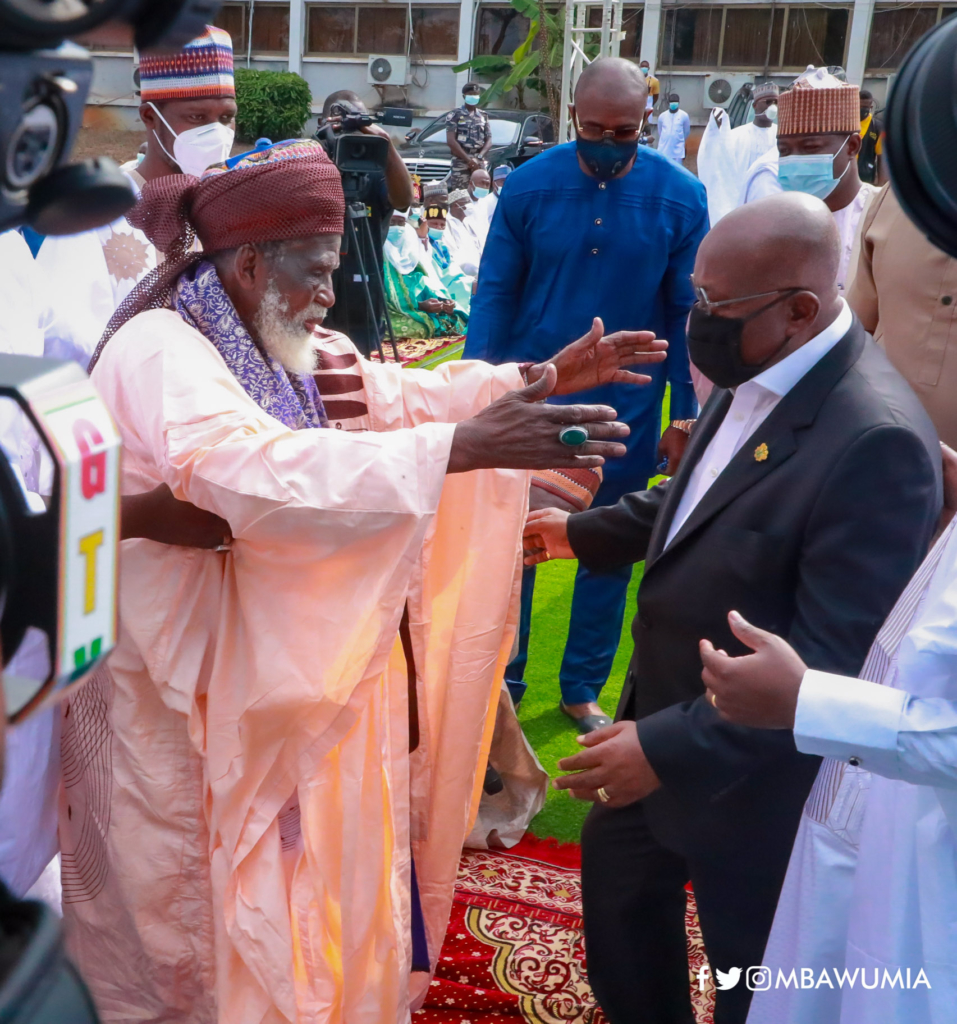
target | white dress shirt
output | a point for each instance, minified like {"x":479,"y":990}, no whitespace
{"x":752,"y":404}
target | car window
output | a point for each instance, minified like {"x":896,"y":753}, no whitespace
{"x":548,"y":129}
{"x":504,"y":133}
{"x":532,"y":129}
{"x":434,"y":132}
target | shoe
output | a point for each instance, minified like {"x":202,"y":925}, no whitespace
{"x":493,"y":781}
{"x":587,"y":724}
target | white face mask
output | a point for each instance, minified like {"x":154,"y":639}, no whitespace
{"x":194,"y":150}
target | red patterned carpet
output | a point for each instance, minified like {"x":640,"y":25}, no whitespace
{"x":514,"y":949}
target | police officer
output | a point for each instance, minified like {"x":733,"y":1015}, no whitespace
{"x":468,"y":135}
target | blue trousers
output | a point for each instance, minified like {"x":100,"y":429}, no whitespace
{"x":598,"y":608}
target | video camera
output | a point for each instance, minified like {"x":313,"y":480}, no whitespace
{"x":353,"y":151}
{"x":46,"y":80}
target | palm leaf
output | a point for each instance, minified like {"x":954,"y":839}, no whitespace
{"x":492,"y":92}
{"x":485,"y":63}
{"x":522,"y":70}
{"x":522,"y":50}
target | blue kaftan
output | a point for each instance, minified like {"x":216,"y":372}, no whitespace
{"x":563,"y":248}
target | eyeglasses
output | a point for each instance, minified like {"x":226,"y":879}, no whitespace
{"x":708,"y":306}
{"x":595,"y":133}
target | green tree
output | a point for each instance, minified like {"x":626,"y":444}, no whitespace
{"x":523,"y":68}
{"x":274,"y":104}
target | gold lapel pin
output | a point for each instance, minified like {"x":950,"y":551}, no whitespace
{"x":760,"y":453}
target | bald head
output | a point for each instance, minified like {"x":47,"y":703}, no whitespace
{"x":785,"y":242}
{"x":609,"y":103}
{"x":610,"y":77}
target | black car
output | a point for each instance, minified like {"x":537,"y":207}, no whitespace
{"x":517,"y":136}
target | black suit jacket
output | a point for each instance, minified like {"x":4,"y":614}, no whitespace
{"x":815,"y":543}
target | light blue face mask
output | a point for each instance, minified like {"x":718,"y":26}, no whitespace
{"x":436,"y":234}
{"x":813,"y":173}
{"x":673,"y":107}
{"x":395,"y":233}
{"x":479,"y":193}
{"x":472,"y":99}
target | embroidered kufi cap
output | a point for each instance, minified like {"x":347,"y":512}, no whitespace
{"x":202,"y":69}
{"x":819,"y":103}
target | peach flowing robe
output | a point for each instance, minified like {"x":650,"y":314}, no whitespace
{"x":265,"y":685}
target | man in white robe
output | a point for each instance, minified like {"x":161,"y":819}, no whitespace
{"x":265,"y":757}
{"x":725,"y":154}
{"x":819,"y":117}
{"x":869,"y":906}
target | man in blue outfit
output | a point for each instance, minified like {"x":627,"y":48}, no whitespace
{"x":597,"y":227}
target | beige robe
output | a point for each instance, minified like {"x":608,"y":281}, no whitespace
{"x":905,"y":293}
{"x":240,"y":804}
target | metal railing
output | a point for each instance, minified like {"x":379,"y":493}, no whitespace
{"x":577,"y":33}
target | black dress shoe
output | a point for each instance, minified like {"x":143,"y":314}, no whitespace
{"x":587,"y":724}
{"x":493,"y":781}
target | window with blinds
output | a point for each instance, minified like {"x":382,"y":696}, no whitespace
{"x":754,"y":38}
{"x":895,"y":30}
{"x":361,"y":29}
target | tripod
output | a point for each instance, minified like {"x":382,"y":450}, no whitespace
{"x":361,"y":238}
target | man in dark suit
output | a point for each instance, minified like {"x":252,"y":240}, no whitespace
{"x":807,"y":497}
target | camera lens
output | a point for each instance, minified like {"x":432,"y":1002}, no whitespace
{"x":33,"y":147}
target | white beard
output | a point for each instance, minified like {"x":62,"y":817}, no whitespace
{"x":285,"y":338}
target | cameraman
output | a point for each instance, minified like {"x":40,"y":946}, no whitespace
{"x":383,"y":194}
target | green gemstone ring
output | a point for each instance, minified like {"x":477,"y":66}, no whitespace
{"x":573,"y":436}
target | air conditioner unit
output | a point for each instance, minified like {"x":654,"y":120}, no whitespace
{"x":388,"y":70}
{"x":720,"y":88}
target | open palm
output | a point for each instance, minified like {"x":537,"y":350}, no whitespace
{"x":599,"y":359}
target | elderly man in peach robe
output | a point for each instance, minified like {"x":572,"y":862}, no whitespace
{"x":267,"y":792}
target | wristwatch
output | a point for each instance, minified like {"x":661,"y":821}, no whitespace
{"x":685,"y":426}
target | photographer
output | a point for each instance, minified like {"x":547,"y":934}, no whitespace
{"x":383,"y":193}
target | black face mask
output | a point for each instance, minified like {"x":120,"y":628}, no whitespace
{"x":714,"y":345}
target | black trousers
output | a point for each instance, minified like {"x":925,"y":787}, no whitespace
{"x":634,"y":908}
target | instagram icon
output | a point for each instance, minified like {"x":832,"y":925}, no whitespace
{"x":758,"y":979}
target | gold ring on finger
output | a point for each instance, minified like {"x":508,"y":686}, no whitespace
{"x":714,"y":700}
{"x":603,"y":795}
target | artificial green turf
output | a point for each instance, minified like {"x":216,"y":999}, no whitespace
{"x":550,"y":733}
{"x":548,"y":730}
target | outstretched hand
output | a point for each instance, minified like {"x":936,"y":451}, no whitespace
{"x":520,"y":431}
{"x":760,"y":689}
{"x":599,"y":359}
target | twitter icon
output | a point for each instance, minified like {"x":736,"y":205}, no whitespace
{"x":727,"y":979}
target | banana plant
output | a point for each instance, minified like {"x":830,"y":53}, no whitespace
{"x":518,"y":71}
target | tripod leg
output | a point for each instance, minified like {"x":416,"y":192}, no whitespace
{"x":354,"y":237}
{"x":381,"y":285}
